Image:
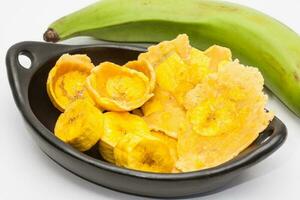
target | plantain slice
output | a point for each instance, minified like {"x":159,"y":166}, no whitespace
{"x":117,"y":88}
{"x":228,"y":117}
{"x":218,"y":56}
{"x":178,"y":77}
{"x":158,"y":53}
{"x":178,"y":66}
{"x":198,"y":66}
{"x":171,"y":73}
{"x":157,"y":103}
{"x":173,"y":76}
{"x":204,"y":66}
{"x":169,"y":141}
{"x":66,"y":80}
{"x":116,"y":126}
{"x":169,"y":121}
{"x":163,"y":113}
{"x":144,"y":67}
{"x":192,"y":97}
{"x":144,"y":153}
{"x":81,"y":125}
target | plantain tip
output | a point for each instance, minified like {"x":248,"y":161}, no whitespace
{"x":51,"y":35}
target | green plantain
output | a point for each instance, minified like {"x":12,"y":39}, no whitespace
{"x":255,"y":38}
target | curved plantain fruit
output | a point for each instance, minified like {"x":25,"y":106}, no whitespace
{"x":117,"y":88}
{"x":115,"y":126}
{"x":81,"y":125}
{"x":227,"y":118}
{"x":66,"y":80}
{"x":255,"y":38}
{"x":144,"y":67}
{"x":144,"y":153}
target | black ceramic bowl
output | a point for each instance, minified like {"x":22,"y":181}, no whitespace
{"x":29,"y":90}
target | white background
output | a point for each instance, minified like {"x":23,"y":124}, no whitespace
{"x":26,"y":173}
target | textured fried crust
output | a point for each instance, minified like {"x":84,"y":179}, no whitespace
{"x":228,"y":116}
{"x":169,"y":141}
{"x":117,"y":88}
{"x":144,"y":67}
{"x":218,"y":56}
{"x":163,"y":113}
{"x":81,"y":125}
{"x":159,"y":52}
{"x":66,"y":80}
{"x":189,"y":110}
{"x":116,"y":126}
{"x":144,"y":153}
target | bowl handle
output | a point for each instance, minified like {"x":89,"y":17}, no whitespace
{"x":36,"y":51}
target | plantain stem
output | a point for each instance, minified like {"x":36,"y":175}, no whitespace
{"x":51,"y":36}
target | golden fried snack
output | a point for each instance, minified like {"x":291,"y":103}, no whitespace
{"x":228,"y":117}
{"x":218,"y":56}
{"x":159,"y":52}
{"x":163,"y":113}
{"x":178,"y":77}
{"x":116,"y":126}
{"x":174,"y":109}
{"x":145,"y":153}
{"x":173,"y":76}
{"x":81,"y":125}
{"x":198,"y":66}
{"x":157,"y":103}
{"x":144,"y":67}
{"x":169,"y":141}
{"x":66,"y":80}
{"x":178,"y":66}
{"x":117,"y":88}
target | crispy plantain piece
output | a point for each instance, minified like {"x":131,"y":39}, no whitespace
{"x":117,"y":88}
{"x":163,"y":113}
{"x":144,"y":67}
{"x":81,"y":125}
{"x":169,"y":141}
{"x":66,"y":80}
{"x":228,"y":117}
{"x":157,"y":53}
{"x":218,"y":56}
{"x":116,"y":126}
{"x":144,"y":153}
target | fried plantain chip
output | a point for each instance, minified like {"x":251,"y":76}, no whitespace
{"x":81,"y":125}
{"x":228,"y":117}
{"x":116,"y":126}
{"x":117,"y":88}
{"x":66,"y":80}
{"x":157,"y":53}
{"x":163,"y":113}
{"x":144,"y":153}
{"x":218,"y":56}
{"x":144,"y":67}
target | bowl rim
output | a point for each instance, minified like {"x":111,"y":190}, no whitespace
{"x":38,"y":52}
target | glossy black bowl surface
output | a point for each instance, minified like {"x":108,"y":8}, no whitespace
{"x":29,"y":90}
